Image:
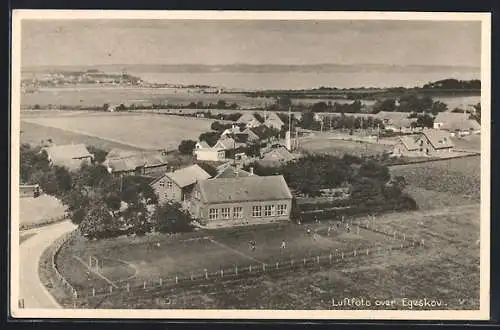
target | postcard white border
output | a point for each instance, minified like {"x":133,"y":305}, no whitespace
{"x":481,"y":314}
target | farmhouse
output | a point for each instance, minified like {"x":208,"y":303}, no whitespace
{"x":71,"y":156}
{"x":428,"y":143}
{"x":272,"y":120}
{"x":276,"y":156}
{"x":178,"y":185}
{"x":124,"y":162}
{"x":249,"y":120}
{"x":457,"y":123}
{"x":241,"y":200}
{"x":396,"y":121}
{"x":245,"y":136}
{"x":210,"y":154}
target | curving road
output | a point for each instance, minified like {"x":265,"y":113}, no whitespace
{"x":31,"y":289}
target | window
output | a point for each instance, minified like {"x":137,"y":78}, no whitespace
{"x":257,"y":211}
{"x":225,"y":213}
{"x":238,"y":212}
{"x":282,"y":209}
{"x":169,"y":184}
{"x":162,"y":183}
{"x":269,"y":210}
{"x":213,"y":214}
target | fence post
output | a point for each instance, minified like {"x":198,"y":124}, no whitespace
{"x":128,"y":287}
{"x":330,"y":258}
{"x":222,"y":273}
{"x":291,"y":262}
{"x":263,"y":267}
{"x":144,"y":285}
{"x":277,"y":265}
{"x":404,"y":237}
{"x":93,"y":292}
{"x":304,"y":261}
{"x":401,"y":245}
{"x":236,"y":269}
{"x":355,"y":252}
{"x":110,"y":289}
{"x":422,"y":242}
{"x":176,"y":279}
{"x":342,"y":254}
{"x":394,"y":234}
{"x":161,"y":282}
{"x":367,"y":251}
{"x":250,"y":268}
{"x":317,"y":259}
{"x":191,"y":276}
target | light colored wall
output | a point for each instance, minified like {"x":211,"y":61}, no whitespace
{"x":165,"y":193}
{"x":201,"y":211}
{"x":211,"y":155}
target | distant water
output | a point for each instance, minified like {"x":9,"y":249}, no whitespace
{"x":305,"y":80}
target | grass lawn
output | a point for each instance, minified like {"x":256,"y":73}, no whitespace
{"x":141,"y":258}
{"x":38,"y":210}
{"x":320,"y":144}
{"x":32,"y":133}
{"x":144,"y":131}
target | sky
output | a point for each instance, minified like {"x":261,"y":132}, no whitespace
{"x":118,"y":41}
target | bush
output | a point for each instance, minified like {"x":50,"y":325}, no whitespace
{"x":186,"y":147}
{"x":171,"y":218}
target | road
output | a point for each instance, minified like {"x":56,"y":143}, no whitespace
{"x":31,"y":289}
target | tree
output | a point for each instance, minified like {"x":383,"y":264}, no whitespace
{"x":283,"y":102}
{"x":423,"y":120}
{"x":186,"y":147}
{"x":171,"y":218}
{"x":307,"y":120}
{"x":99,"y":154}
{"x":373,"y":170}
{"x":319,"y":107}
{"x":384,"y":105}
{"x":477,"y":114}
{"x":221,"y":104}
{"x":210,"y":138}
{"x":437,"y":107}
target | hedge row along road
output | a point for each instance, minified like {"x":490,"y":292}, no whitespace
{"x":31,"y":289}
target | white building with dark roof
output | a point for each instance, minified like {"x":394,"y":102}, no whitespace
{"x":456,"y":123}
{"x":241,"y":201}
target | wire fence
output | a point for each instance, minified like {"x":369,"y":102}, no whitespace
{"x":402,"y":241}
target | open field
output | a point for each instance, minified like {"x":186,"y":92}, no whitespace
{"x":32,"y":133}
{"x":324,"y":144}
{"x":140,"y":131}
{"x":447,"y":269}
{"x":223,"y":248}
{"x":39,"y":210}
{"x":97,"y":96}
{"x":453,"y":181}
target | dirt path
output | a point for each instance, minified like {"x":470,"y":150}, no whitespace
{"x":31,"y":289}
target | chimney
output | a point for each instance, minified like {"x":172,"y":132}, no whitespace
{"x":251,"y":170}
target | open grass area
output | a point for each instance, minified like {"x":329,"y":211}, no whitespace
{"x":139,"y":259}
{"x":458,"y":178}
{"x":33,"y":134}
{"x":33,"y":211}
{"x":143,"y":131}
{"x":323,"y":144}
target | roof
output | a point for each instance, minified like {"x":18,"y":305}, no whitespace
{"x":232,"y":172}
{"x":203,"y":144}
{"x":280,"y":154}
{"x":260,"y":131}
{"x":456,"y":121}
{"x":67,"y":151}
{"x":246,"y":118}
{"x":225,"y":143}
{"x":274,"y":119}
{"x":251,"y":188}
{"x":410,"y":141}
{"x":398,"y":119}
{"x":438,"y":138}
{"x":125,"y":160}
{"x":188,"y":175}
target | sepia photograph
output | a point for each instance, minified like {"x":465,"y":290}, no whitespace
{"x":254,"y":165}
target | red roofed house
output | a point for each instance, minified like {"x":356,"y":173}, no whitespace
{"x":178,"y":185}
{"x":241,"y":201}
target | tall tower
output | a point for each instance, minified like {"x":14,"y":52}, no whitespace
{"x":288,"y":137}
